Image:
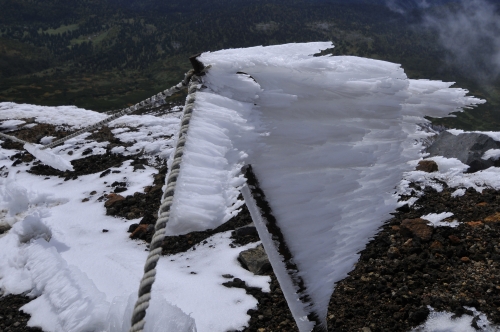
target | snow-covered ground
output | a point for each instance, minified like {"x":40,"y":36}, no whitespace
{"x":85,"y":278}
{"x":329,"y":139}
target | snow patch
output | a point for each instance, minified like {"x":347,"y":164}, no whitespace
{"x":435,"y":219}
{"x":447,"y":322}
{"x":491,"y":154}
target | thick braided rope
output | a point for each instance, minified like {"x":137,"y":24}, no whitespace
{"x":145,"y":103}
{"x":155,"y":248}
{"x":12,"y":138}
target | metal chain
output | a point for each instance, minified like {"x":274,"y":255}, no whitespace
{"x":147,"y":102}
{"x":155,"y":248}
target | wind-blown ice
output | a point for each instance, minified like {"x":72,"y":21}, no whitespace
{"x":48,"y":158}
{"x":328,"y":138}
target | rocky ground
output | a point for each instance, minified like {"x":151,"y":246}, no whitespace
{"x":407,"y":267}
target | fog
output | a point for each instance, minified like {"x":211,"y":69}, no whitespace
{"x":469,"y":30}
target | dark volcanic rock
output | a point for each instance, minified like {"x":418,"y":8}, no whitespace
{"x":11,"y":318}
{"x":458,"y":267}
{"x":255,"y":260}
{"x":466,"y":147}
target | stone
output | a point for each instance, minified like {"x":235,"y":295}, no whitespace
{"x":469,"y":148}
{"x":436,"y":245}
{"x":112,"y":199}
{"x":141,"y":231}
{"x":366,"y":329}
{"x":416,"y":227}
{"x":493,"y":218}
{"x":120,"y":189}
{"x":132,"y":228}
{"x":85,"y":200}
{"x":454,"y":239}
{"x":474,"y":223}
{"x":465,"y":259}
{"x":393,"y":252}
{"x":418,"y":316}
{"x":245,"y":230}
{"x":428,"y":166}
{"x":255,"y":260}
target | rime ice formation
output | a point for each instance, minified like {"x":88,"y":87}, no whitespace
{"x":328,"y":137}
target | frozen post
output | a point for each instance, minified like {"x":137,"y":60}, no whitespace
{"x":287,"y":272}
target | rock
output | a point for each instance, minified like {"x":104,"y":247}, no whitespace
{"x":85,"y":200}
{"x":493,"y":218}
{"x":112,"y":199}
{"x":454,"y":239}
{"x":428,"y":166}
{"x":138,"y":166}
{"x":366,"y":329}
{"x":393,"y":252}
{"x":416,"y":227}
{"x":469,"y":148}
{"x":142,"y":231}
{"x":106,"y":172}
{"x":255,"y":260}
{"x":418,"y":316}
{"x":132,"y":228}
{"x":465,"y":259}
{"x":436,"y":245}
{"x":245,"y":230}
{"x":474,"y":223}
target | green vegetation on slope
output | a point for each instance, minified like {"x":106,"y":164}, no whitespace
{"x":108,"y":54}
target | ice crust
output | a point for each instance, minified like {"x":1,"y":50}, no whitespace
{"x":328,"y":137}
{"x":49,"y":158}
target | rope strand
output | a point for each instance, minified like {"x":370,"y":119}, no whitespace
{"x":155,"y":248}
{"x":147,"y":102}
{"x":14,"y":139}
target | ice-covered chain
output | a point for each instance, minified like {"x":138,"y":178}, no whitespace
{"x":12,"y":138}
{"x":155,"y":248}
{"x":145,"y":103}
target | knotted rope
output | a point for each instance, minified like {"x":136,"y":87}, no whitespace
{"x":155,"y":248}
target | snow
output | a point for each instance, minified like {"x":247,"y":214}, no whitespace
{"x":435,"y":219}
{"x":458,"y":192}
{"x":446,"y":322}
{"x":71,"y":116}
{"x":491,"y":154}
{"x":86,"y":279}
{"x":451,"y":171}
{"x":328,"y":138}
{"x":493,"y":134}
{"x":11,"y":124}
